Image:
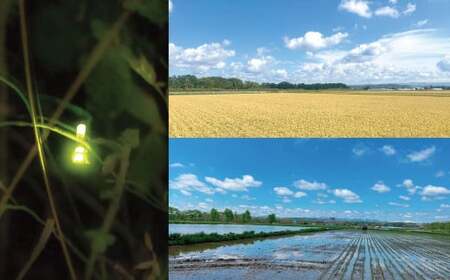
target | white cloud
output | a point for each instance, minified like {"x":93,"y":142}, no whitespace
{"x":347,"y":195}
{"x":200,"y":59}
{"x":404,"y":197}
{"x":388,"y":150}
{"x":300,"y":194}
{"x":313,"y":41}
{"x":359,"y":7}
{"x":421,"y":23}
{"x":236,"y":184}
{"x":176,"y":165}
{"x":444,"y":64}
{"x":286,"y":192}
{"x":359,"y":151}
{"x":410,"y":8}
{"x":187,"y":183}
{"x":439,"y":174}
{"x":411,"y":56}
{"x":387,"y":11}
{"x":203,"y":205}
{"x":309,"y":186}
{"x":408,"y":183}
{"x":258,"y":64}
{"x":283,"y":191}
{"x":380,"y":187}
{"x":399,"y":204}
{"x":410,"y":187}
{"x":445,"y":205}
{"x":393,"y":1}
{"x":323,"y":201}
{"x":434,"y":191}
{"x":421,"y":155}
{"x":170,"y":6}
{"x":364,"y":52}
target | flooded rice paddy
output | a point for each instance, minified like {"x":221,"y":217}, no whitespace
{"x":226,"y":228}
{"x":325,"y":255}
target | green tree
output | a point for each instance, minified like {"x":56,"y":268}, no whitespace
{"x":228,"y":215}
{"x":247,"y":217}
{"x":271,"y":218}
{"x":214,"y":215}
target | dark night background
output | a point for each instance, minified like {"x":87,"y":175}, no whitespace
{"x":126,"y":90}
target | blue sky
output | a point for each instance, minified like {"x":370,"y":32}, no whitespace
{"x":386,"y":179}
{"x":351,"y":41}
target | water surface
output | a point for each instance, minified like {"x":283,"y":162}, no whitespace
{"x":227,"y":228}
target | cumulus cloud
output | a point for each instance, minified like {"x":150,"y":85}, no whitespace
{"x":202,"y":58}
{"x":393,"y":1}
{"x":309,"y":186}
{"x":299,"y":194}
{"x":364,"y":52}
{"x":444,"y":64}
{"x":380,"y":187}
{"x":399,"y":204}
{"x":347,"y":195}
{"x":313,"y":41}
{"x":283,"y":191}
{"x":387,"y":11}
{"x":421,"y":155}
{"x":431,"y":191}
{"x":359,"y":7}
{"x":286,"y":193}
{"x":187,"y":183}
{"x":410,"y":187}
{"x":388,"y":150}
{"x":410,"y":8}
{"x":258,"y":64}
{"x":236,"y":184}
{"x":410,"y":56}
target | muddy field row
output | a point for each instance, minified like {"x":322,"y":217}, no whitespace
{"x":331,"y":255}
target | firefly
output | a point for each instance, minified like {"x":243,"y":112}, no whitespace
{"x":80,"y":154}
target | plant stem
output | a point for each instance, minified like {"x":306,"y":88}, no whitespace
{"x":114,"y":206}
{"x":24,"y":37}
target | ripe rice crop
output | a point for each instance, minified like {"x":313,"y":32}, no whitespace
{"x":316,"y":114}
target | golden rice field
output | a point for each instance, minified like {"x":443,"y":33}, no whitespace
{"x":318,"y":114}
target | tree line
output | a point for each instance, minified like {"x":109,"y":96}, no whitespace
{"x":439,"y":227}
{"x":191,"y":82}
{"x":216,"y":216}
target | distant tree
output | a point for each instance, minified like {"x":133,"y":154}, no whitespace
{"x":271,"y":218}
{"x":214,"y":215}
{"x":246,"y":217}
{"x":229,"y":217}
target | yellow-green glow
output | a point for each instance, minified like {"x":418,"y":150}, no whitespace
{"x":80,"y":154}
{"x":81,"y":130}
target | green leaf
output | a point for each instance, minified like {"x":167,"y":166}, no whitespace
{"x":100,"y":240}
